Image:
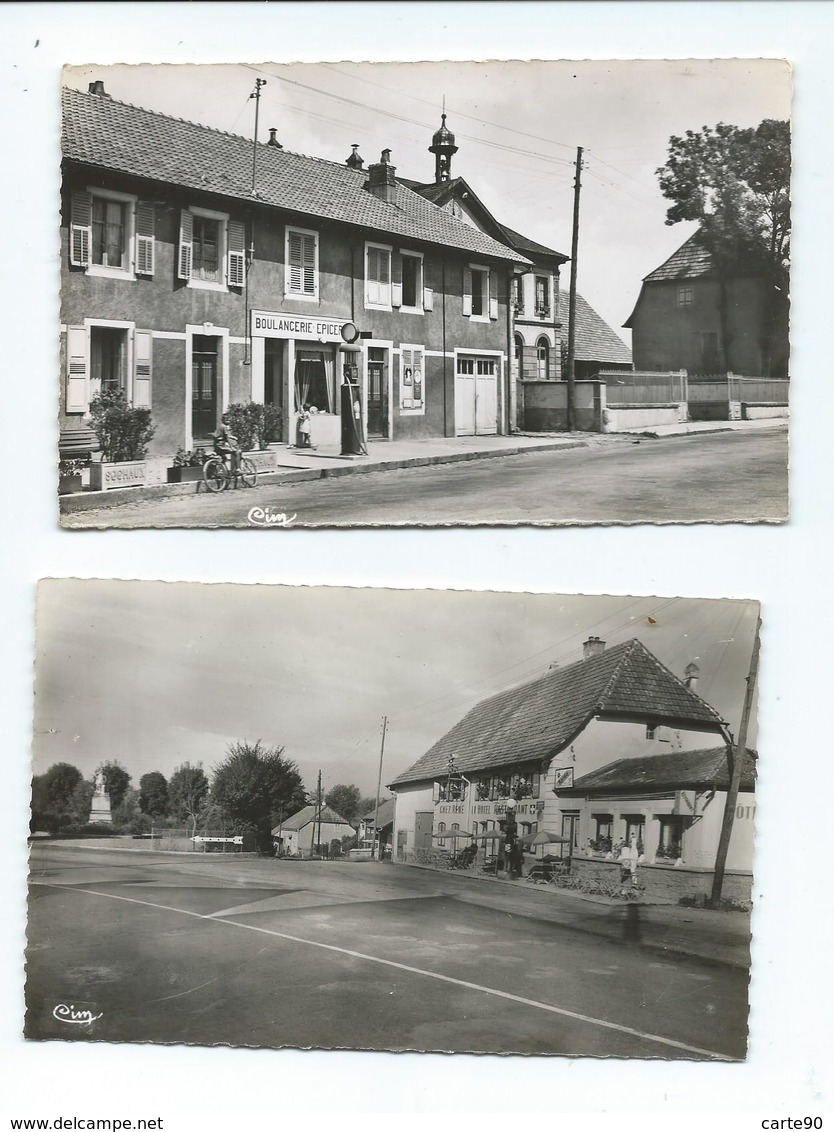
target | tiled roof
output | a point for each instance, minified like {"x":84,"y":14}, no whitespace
{"x":537,"y":720}
{"x":101,"y":132}
{"x":678,"y":770}
{"x":690,"y":261}
{"x":529,"y":247}
{"x":386,"y":813}
{"x":308,"y":814}
{"x":595,"y":340}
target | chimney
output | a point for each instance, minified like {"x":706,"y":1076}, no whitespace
{"x":97,"y":87}
{"x":592,"y":647}
{"x":355,"y":161}
{"x":273,"y":140}
{"x":691,"y":674}
{"x":382,"y":181}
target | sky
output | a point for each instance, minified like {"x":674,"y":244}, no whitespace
{"x":517,"y":126}
{"x":154,"y":674}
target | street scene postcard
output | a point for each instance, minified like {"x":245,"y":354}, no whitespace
{"x":511,"y":292}
{"x":405,"y":820}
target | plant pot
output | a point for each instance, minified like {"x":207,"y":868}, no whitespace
{"x":106,"y":477}
{"x":68,"y":485}
{"x":264,"y":461}
{"x":185,"y":475}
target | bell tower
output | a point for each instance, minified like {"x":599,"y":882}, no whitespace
{"x":443,"y":147}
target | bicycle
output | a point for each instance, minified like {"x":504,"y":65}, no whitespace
{"x":217,"y":475}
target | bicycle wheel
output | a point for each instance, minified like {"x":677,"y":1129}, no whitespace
{"x":215,"y":475}
{"x":248,"y":473}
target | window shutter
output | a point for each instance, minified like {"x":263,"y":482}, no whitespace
{"x":142,"y":350}
{"x":295,"y":254}
{"x":237,"y":252}
{"x":186,"y":237}
{"x":308,"y":252}
{"x":145,"y":216}
{"x":428,"y":299}
{"x":493,"y":294}
{"x":81,"y":229}
{"x":78,"y":369}
{"x":419,"y":377}
{"x":396,"y":279}
{"x":396,"y":294}
{"x":467,"y":292}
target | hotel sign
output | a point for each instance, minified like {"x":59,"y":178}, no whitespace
{"x":277,"y":324}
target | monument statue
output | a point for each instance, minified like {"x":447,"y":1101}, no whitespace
{"x":100,"y":812}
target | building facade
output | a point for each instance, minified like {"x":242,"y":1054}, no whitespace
{"x":310,"y":831}
{"x":198,"y":270}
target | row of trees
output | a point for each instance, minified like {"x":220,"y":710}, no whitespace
{"x":254,"y":788}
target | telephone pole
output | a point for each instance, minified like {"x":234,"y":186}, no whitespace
{"x":379,"y":786}
{"x":739,"y":758}
{"x":574,"y":255}
{"x":318,"y":808}
{"x":256,"y":94}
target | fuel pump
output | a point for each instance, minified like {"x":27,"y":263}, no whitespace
{"x":353,"y":438}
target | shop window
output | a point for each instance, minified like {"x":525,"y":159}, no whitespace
{"x":542,"y":296}
{"x":378,"y":277}
{"x":602,"y":840}
{"x":314,"y":381}
{"x":301,"y":279}
{"x":412,"y":284}
{"x":542,"y":359}
{"x":670,"y":842}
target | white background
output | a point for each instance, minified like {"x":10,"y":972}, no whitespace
{"x":788,"y":568}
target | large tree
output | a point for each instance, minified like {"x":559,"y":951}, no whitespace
{"x":735,"y":183}
{"x":188,"y":789}
{"x":52,"y":797}
{"x":346,"y":801}
{"x":253,"y":782}
{"x":116,"y":779}
{"x":153,"y":794}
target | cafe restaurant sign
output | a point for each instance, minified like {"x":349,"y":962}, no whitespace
{"x":277,"y":324}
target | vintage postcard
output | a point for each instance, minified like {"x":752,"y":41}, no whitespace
{"x":408,"y":820}
{"x":514,"y":292}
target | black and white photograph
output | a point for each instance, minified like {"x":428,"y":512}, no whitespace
{"x":510,"y":292}
{"x":407,"y":820}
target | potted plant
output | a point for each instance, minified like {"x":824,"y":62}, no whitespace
{"x":248,"y":422}
{"x":69,"y":475}
{"x":187,"y":466}
{"x":123,"y":432}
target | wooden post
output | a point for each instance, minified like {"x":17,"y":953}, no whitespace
{"x":379,"y":787}
{"x":738,"y":759}
{"x":574,"y":252}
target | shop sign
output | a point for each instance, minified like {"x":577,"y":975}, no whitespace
{"x":278,"y":324}
{"x":450,"y":808}
{"x":486,"y":810}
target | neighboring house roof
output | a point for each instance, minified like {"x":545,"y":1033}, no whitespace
{"x":690,"y":261}
{"x":538,"y":720}
{"x":101,"y":132}
{"x":457,"y":188}
{"x":678,"y":770}
{"x":308,"y":814}
{"x":386,"y":813}
{"x":595,"y":340}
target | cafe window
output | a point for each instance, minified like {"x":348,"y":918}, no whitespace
{"x":670,"y":841}
{"x":602,"y":840}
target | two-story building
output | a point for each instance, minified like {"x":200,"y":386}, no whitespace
{"x":545,"y":750}
{"x":200,"y":269}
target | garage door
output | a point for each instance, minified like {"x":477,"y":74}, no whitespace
{"x":476,"y":395}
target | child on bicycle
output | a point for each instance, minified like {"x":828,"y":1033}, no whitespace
{"x":225,"y":444}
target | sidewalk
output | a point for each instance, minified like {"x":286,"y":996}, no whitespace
{"x":298,"y":465}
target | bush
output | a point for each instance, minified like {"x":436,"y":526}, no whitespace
{"x":273,"y":424}
{"x":123,"y":431}
{"x":254,"y":425}
{"x":189,"y":459}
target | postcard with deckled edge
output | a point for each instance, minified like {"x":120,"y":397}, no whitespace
{"x":517,"y":293}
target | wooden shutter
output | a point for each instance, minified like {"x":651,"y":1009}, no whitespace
{"x":428,"y":299}
{"x":396,"y":279}
{"x":78,"y":369}
{"x":142,"y":351}
{"x":419,"y":386}
{"x":467,"y":292}
{"x":295,"y":256}
{"x":492,"y":277}
{"x":145,"y":217}
{"x":81,"y":229}
{"x":237,"y":253}
{"x":186,"y":245}
{"x":308,"y":264}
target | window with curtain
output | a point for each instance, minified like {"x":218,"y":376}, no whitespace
{"x":314,"y":381}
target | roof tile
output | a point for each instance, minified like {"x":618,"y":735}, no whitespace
{"x":595,"y":340}
{"x":677,"y":770}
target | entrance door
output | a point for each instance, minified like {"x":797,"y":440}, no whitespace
{"x":377,"y":393}
{"x":422,"y":830}
{"x":476,"y":396}
{"x":203,"y":387}
{"x":570,"y":830}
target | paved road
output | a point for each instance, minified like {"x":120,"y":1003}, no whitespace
{"x":270,"y":954}
{"x":727,"y":477}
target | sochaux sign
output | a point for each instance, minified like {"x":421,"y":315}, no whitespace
{"x":276,"y":324}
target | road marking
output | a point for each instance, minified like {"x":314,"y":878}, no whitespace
{"x":536,"y":1005}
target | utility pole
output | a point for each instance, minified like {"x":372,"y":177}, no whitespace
{"x":318,"y":808}
{"x":256,"y":94}
{"x":738,"y":758}
{"x":379,"y":786}
{"x":574,"y":256}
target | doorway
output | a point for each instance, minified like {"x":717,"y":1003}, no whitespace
{"x":377,"y":393}
{"x":203,"y":387}
{"x":570,"y":831}
{"x":423,"y":822}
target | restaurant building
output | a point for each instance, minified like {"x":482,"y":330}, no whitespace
{"x":198,"y":270}
{"x":545,"y":749}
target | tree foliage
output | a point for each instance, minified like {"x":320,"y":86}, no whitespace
{"x":53,"y":798}
{"x":153,"y":794}
{"x":188,"y":788}
{"x":252,"y":782}
{"x":116,"y":780}
{"x":346,"y":801}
